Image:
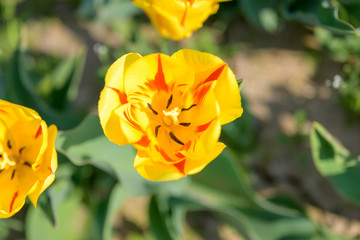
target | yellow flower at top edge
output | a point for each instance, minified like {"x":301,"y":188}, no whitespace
{"x":28,"y":158}
{"x":170,"y":108}
{"x":177,"y":19}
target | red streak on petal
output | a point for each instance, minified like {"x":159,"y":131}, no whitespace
{"x":179,"y":155}
{"x":13,"y":201}
{"x":3,"y":111}
{"x":144,"y":141}
{"x":186,"y":147}
{"x":159,"y":81}
{"x":163,"y":153}
{"x":184,"y":15}
{"x":122,"y":95}
{"x":214,"y":75}
{"x":37,"y":166}
{"x":39,"y":132}
{"x":131,"y":121}
{"x":180,"y":166}
{"x":50,"y":170}
{"x":201,"y":94}
{"x":203,"y":127}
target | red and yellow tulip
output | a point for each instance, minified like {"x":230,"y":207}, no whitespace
{"x":177,"y":19}
{"x":28,"y":158}
{"x":170,"y":108}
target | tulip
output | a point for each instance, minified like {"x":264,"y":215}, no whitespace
{"x":170,"y":109}
{"x":28,"y":158}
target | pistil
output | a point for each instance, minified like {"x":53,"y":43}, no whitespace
{"x":171,"y":117}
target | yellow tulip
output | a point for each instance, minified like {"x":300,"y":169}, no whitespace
{"x":28,"y":158}
{"x":177,"y":19}
{"x":170,"y":108}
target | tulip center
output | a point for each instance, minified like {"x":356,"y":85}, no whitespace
{"x":171,"y":117}
{"x":6,"y":161}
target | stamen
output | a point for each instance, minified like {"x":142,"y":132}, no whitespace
{"x":155,"y":112}
{"x":13,"y":174}
{"x":173,"y":137}
{"x":21,"y":149}
{"x":185,"y":124}
{"x":169,"y":101}
{"x":27,"y":164}
{"x":186,"y":109}
{"x":157,"y":130}
{"x":0,"y":155}
{"x":9,"y":144}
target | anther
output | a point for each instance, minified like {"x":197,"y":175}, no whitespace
{"x":169,"y":101}
{"x":9,"y":144}
{"x":186,"y":109}
{"x":27,"y":164}
{"x":155,"y":112}
{"x":21,"y":149}
{"x":173,"y":137}
{"x":157,"y":130}
{"x":185,"y":124}
{"x":13,"y":174}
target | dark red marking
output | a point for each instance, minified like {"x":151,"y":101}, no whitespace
{"x":180,"y":166}
{"x":214,"y":75}
{"x":201,"y":94}
{"x":203,"y":127}
{"x":159,"y":81}
{"x":163,"y":154}
{"x":38,"y":132}
{"x":122,"y":95}
{"x":144,"y":141}
{"x":13,"y":201}
{"x":179,"y":155}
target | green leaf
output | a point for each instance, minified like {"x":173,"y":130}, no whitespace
{"x":157,"y":221}
{"x":60,"y":87}
{"x":87,"y":144}
{"x":116,"y":199}
{"x":335,"y":163}
{"x":45,"y":202}
{"x":316,"y":13}
{"x":71,"y":221}
{"x":20,"y":89}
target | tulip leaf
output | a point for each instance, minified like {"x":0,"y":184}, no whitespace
{"x":87,"y":144}
{"x":20,"y":89}
{"x":45,"y":202}
{"x":117,"y":197}
{"x":157,"y":221}
{"x":335,"y":163}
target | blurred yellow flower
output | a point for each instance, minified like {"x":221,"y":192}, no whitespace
{"x":28,"y":158}
{"x":170,"y":108}
{"x":177,"y":19}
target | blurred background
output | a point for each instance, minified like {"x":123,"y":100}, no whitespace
{"x":300,"y":63}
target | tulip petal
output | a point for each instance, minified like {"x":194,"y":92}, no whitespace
{"x":226,"y":89}
{"x":155,"y":171}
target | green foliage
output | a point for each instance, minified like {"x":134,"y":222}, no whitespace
{"x":339,"y":16}
{"x":346,"y":50}
{"x":335,"y":163}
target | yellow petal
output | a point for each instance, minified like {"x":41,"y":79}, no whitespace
{"x":46,"y":172}
{"x":226,"y":88}
{"x":156,"y":171}
{"x":25,"y":141}
{"x":115,"y":75}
